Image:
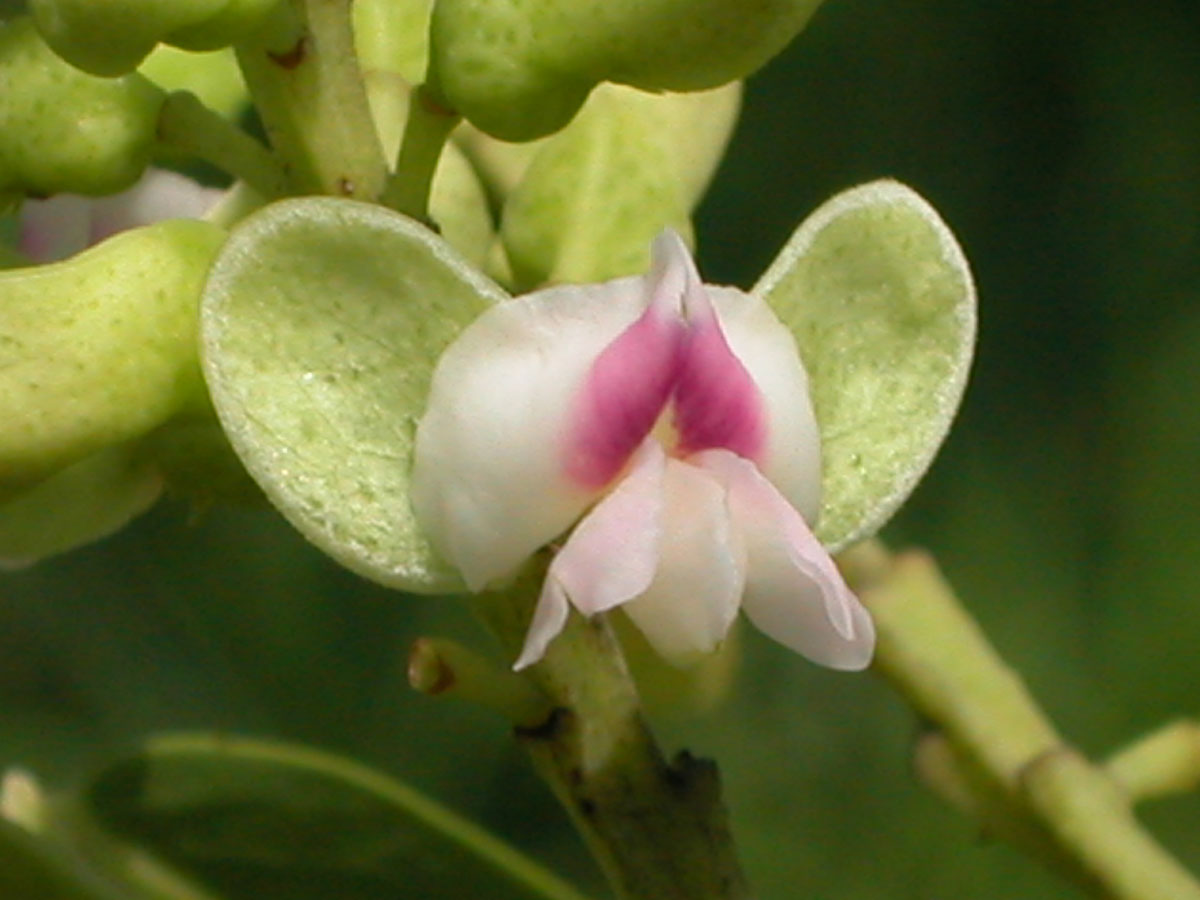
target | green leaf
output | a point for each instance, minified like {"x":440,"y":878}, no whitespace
{"x":34,"y":869}
{"x":881,"y":301}
{"x":321,"y":324}
{"x":253,"y":819}
{"x":82,"y":503}
{"x":100,"y":348}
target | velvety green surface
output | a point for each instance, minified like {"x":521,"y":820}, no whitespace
{"x":1062,"y":145}
{"x":320,"y":327}
{"x":880,"y":299}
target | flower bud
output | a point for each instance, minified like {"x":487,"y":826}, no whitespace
{"x":112,"y":38}
{"x":99,"y":348}
{"x":521,"y":69}
{"x":64,"y":131}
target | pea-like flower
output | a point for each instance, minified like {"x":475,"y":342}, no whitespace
{"x":658,"y":432}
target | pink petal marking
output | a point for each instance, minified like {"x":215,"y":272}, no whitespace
{"x":628,"y":385}
{"x":610,"y":557}
{"x":716,"y":402}
{"x":794,"y":592}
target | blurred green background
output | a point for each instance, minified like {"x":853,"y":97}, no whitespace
{"x":1062,"y":144}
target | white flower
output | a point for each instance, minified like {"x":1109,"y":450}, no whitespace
{"x":63,"y":225}
{"x":669,"y":422}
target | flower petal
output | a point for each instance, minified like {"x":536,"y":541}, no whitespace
{"x":631,"y":380}
{"x":794,"y":593}
{"x":489,"y":478}
{"x":791,"y":457}
{"x":688,"y":608}
{"x":716,"y":401}
{"x":610,"y":557}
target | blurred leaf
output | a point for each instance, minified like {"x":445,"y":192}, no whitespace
{"x":880,"y":299}
{"x":322,"y":322}
{"x":34,"y":869}
{"x":254,"y":819}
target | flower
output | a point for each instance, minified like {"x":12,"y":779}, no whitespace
{"x":671,"y":421}
{"x":63,"y":225}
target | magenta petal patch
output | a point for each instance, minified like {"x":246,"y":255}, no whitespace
{"x":627,"y":387}
{"x":717,"y":404}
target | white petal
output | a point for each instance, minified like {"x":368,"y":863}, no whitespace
{"x":610,"y":557}
{"x":688,"y":608}
{"x":488,"y":481}
{"x":794,"y":592}
{"x":158,"y":195}
{"x":792,"y":457}
{"x":548,"y":620}
{"x":55,"y":228}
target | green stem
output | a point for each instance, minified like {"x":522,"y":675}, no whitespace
{"x":1164,"y":762}
{"x":187,"y":124}
{"x":425,"y":133}
{"x":1008,"y":764}
{"x":303,"y":75}
{"x":659,"y":831}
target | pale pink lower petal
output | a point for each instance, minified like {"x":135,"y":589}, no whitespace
{"x":791,"y":457}
{"x":794,"y":592}
{"x":610,"y":557}
{"x":548,"y":620}
{"x":489,"y":483}
{"x":688,"y":608}
{"x":613,"y":552}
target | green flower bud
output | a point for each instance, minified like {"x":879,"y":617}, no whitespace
{"x":100,"y":348}
{"x":520,"y":69}
{"x":64,"y":131}
{"x":595,"y":195}
{"x":112,"y":38}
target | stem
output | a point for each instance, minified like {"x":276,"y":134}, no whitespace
{"x":1164,"y":762}
{"x":303,"y":74}
{"x":1007,"y":763}
{"x":187,"y":124}
{"x":659,"y":831}
{"x":425,"y":133}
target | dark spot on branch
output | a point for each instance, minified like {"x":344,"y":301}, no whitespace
{"x":587,"y":807}
{"x":289,"y":59}
{"x":552,"y":727}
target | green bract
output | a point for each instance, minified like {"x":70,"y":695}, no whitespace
{"x":596,"y":194}
{"x":64,"y":131}
{"x":520,"y":69}
{"x":321,"y":325}
{"x":100,"y":348}
{"x":113,"y":37}
{"x":881,"y":301}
